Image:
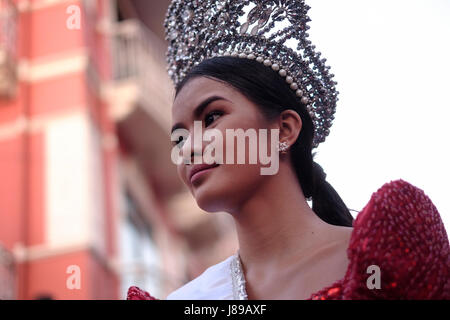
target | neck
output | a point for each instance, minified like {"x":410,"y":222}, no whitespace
{"x":276,"y":224}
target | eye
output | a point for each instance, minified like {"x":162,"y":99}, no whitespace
{"x":212,"y":116}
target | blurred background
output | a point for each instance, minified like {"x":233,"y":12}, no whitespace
{"x":86,"y":179}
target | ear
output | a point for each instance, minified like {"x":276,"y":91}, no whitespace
{"x":290,"y":125}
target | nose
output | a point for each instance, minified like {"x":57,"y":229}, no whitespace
{"x":190,"y":151}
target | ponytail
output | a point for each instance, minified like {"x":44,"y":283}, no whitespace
{"x":327,"y":203}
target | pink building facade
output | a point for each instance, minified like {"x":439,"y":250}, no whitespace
{"x":89,"y":200}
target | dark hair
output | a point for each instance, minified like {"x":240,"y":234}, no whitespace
{"x":272,"y":95}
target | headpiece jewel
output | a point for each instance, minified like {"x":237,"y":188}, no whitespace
{"x":273,"y":32}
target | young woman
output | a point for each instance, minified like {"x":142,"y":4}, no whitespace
{"x":397,"y":248}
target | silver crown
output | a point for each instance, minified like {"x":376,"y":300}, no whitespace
{"x":273,"y":32}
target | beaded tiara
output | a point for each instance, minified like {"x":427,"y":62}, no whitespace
{"x":272,"y":32}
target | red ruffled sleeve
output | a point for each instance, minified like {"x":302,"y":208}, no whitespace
{"x":400,"y":232}
{"x":134,"y":293}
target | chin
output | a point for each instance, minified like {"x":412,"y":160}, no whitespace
{"x":223,"y":193}
{"x":212,"y":199}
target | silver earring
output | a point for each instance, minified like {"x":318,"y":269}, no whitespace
{"x":282,"y":146}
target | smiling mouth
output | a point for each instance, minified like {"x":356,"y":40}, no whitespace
{"x":201,"y":172}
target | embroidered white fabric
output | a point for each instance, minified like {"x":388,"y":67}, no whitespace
{"x":237,"y":276}
{"x":222,"y":281}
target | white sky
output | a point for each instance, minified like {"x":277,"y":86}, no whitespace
{"x":391,"y":61}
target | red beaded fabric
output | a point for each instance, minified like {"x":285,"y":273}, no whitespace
{"x":399,"y":232}
{"x":134,"y":293}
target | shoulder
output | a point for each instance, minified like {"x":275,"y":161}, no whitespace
{"x":214,"y":283}
{"x":400,"y":233}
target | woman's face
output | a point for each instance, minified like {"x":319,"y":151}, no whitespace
{"x":225,"y":186}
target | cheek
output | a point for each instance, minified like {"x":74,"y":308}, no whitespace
{"x":242,"y":125}
{"x":232,"y":183}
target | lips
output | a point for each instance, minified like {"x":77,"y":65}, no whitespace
{"x":200,"y":167}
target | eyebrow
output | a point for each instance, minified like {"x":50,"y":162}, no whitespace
{"x":199,"y":109}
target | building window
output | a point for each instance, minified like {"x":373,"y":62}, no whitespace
{"x":7,"y":275}
{"x":8,"y":44}
{"x":140,"y":257}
